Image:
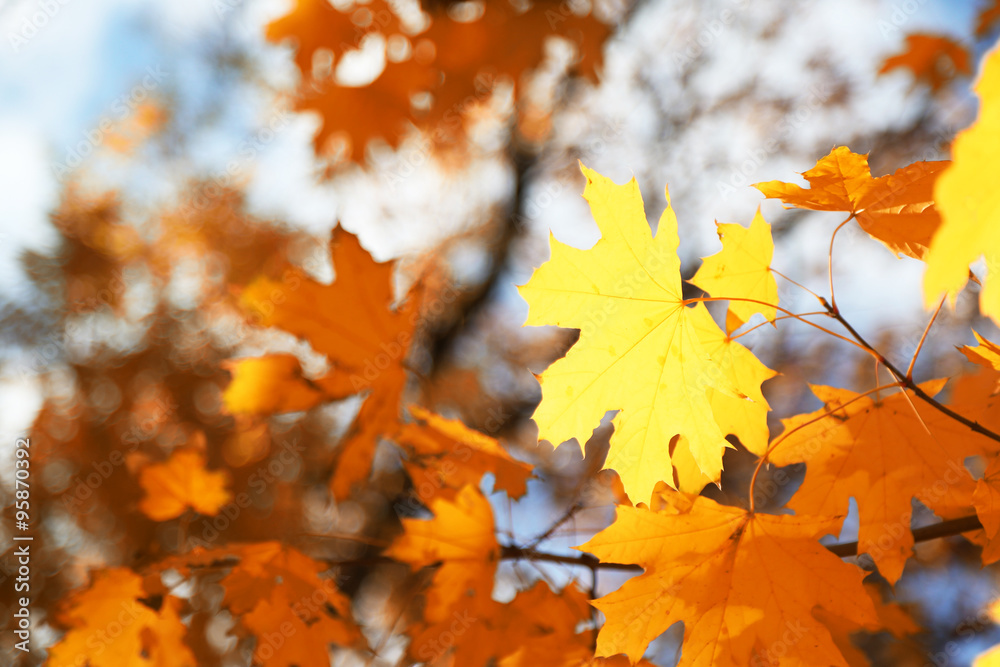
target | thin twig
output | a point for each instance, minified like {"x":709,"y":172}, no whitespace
{"x":796,"y":316}
{"x":777,"y":319}
{"x":566,"y":516}
{"x":909,"y":383}
{"x":927,"y":329}
{"x":794,"y":282}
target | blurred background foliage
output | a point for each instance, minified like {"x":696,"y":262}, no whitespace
{"x":159,"y":157}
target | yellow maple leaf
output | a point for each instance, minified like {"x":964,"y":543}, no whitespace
{"x":745,"y":585}
{"x":966,"y":195}
{"x":179,"y":483}
{"x":639,"y":352}
{"x":989,"y":658}
{"x":742,"y":269}
{"x":746,"y":418}
{"x":110,"y":627}
{"x":985,"y":354}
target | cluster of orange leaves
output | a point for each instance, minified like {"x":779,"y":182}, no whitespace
{"x":935,"y":60}
{"x":442,"y":62}
{"x":748,"y":586}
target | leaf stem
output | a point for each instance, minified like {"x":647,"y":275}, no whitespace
{"x":913,"y":361}
{"x":796,"y":283}
{"x":829,"y":262}
{"x":790,"y":314}
{"x":778,"y":318}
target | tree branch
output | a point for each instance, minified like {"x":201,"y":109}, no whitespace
{"x":907,"y":381}
{"x":844,"y":549}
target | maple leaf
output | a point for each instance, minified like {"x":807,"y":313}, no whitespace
{"x":640,"y":349}
{"x":970,"y":212}
{"x":977,"y":396}
{"x":986,"y":354}
{"x":456,"y":63}
{"x":897,"y":209}
{"x":987,"y":18}
{"x":891,"y":617}
{"x":274,"y":384}
{"x":933,"y":59}
{"x":986,"y":500}
{"x":745,"y":585}
{"x":317,"y":24}
{"x":742,"y":269}
{"x":460,"y":537}
{"x":278,"y":595}
{"x":181,"y":483}
{"x":538,"y":627}
{"x":110,"y":624}
{"x":746,"y":417}
{"x":447,"y":454}
{"x":989,"y":658}
{"x":883,"y":452}
{"x":353,"y":323}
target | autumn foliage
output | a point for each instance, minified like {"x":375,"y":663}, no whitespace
{"x":286,"y":472}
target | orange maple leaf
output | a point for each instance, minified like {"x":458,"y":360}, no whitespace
{"x":460,"y":537}
{"x":113,"y":624}
{"x":455,"y":62}
{"x":896,"y":209}
{"x":987,"y":18}
{"x":892,"y":618}
{"x":278,"y":595}
{"x":933,"y":59}
{"x":883,"y":452}
{"x":271,"y":384}
{"x":446,"y":455}
{"x":353,"y":323}
{"x":181,"y":483}
{"x":987,"y":502}
{"x":745,"y":585}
